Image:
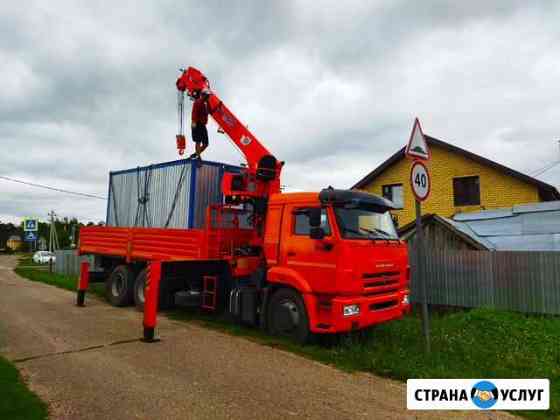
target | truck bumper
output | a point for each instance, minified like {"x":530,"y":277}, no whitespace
{"x":328,"y":317}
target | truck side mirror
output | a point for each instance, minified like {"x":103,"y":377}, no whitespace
{"x":314,"y":215}
{"x":316,"y":233}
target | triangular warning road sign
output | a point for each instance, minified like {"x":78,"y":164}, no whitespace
{"x":417,"y":147}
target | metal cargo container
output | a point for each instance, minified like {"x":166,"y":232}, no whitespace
{"x":171,"y":194}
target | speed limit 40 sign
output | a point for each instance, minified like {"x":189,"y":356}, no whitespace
{"x":420,"y":180}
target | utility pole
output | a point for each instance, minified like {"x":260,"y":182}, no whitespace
{"x":53,"y":237}
{"x":73,"y":236}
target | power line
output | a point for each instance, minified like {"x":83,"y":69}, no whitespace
{"x":545,"y":168}
{"x":46,"y":187}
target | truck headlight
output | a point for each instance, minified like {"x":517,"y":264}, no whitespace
{"x":349,"y":310}
{"x":405,"y":300}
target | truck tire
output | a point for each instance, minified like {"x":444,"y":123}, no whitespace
{"x":118,"y":287}
{"x":138,"y":293}
{"x":166,"y":298}
{"x":287,"y":316}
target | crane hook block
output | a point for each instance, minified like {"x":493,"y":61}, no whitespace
{"x":181,"y":144}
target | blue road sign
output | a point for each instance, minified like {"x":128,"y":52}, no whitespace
{"x":30,"y":236}
{"x":30,"y":225}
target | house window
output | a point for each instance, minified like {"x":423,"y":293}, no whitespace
{"x":466,"y":191}
{"x":395,"y":194}
{"x":302,"y":227}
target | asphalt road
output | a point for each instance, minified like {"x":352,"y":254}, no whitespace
{"x":87,"y":363}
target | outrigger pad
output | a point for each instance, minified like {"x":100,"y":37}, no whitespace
{"x":149,"y":336}
{"x":81,"y":298}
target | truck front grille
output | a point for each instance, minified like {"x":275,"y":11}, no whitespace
{"x":383,"y":305}
{"x":381,"y":283}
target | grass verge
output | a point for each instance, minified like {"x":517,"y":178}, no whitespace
{"x":17,"y":402}
{"x":26,"y":260}
{"x":480,"y":343}
{"x":38,"y":273}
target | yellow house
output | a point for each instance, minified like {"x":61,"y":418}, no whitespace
{"x":461,"y":182}
{"x":14,"y":243}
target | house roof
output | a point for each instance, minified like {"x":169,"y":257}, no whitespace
{"x":465,"y":235}
{"x":546,"y":191}
{"x":528,"y":227}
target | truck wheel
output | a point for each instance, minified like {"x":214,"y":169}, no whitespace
{"x":118,"y":287}
{"x":166,"y":299}
{"x":287,"y":316}
{"x":139,"y":286}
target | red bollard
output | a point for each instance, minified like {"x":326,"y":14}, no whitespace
{"x":151,"y":293}
{"x":83,"y":283}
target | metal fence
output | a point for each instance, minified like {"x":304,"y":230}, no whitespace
{"x":524,"y":281}
{"x":68,"y":262}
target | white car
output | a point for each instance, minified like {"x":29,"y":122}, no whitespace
{"x":43,"y":257}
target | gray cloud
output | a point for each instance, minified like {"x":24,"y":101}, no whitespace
{"x":330,"y":87}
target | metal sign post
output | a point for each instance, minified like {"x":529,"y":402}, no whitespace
{"x":29,"y":227}
{"x":30,"y":237}
{"x":422,"y":275}
{"x":420,"y":183}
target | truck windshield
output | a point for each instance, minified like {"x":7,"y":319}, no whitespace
{"x":360,"y":223}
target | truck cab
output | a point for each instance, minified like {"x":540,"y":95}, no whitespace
{"x":339,"y":251}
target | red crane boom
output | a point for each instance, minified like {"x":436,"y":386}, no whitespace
{"x":262,"y":177}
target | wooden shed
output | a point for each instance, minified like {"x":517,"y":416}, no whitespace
{"x":440,"y":233}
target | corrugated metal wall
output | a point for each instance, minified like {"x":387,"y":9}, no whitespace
{"x":68,"y":262}
{"x":207,"y":192}
{"x":521,"y":281}
{"x":145,"y":196}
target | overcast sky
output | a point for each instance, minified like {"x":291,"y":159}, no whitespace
{"x":330,"y":87}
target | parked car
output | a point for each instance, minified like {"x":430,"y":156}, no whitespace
{"x":43,"y":257}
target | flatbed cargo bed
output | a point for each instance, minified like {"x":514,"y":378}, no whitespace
{"x":149,"y":244}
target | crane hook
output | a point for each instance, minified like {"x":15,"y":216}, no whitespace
{"x":181,"y":144}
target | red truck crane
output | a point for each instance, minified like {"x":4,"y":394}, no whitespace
{"x":295,"y":264}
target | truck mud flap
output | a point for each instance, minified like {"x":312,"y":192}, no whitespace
{"x":243,"y":303}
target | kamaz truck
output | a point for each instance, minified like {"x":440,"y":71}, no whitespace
{"x":294,"y":264}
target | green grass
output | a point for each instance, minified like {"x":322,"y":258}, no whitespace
{"x":17,"y":402}
{"x":27,"y":261}
{"x":480,"y":343}
{"x":33,"y":273}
